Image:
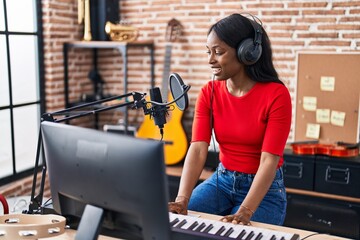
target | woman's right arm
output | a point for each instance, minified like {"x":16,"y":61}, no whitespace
{"x":193,"y":166}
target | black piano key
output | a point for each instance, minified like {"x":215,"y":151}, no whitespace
{"x":250,"y":236}
{"x":240,"y":237}
{"x":273,"y":237}
{"x":219,"y":232}
{"x":200,"y":227}
{"x":208,"y":228}
{"x":259,"y":236}
{"x":282,"y":238}
{"x":175,"y":221}
{"x":193,"y":225}
{"x":182,"y":223}
{"x":228,"y":232}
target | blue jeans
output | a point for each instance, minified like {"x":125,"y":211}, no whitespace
{"x":223,"y":193}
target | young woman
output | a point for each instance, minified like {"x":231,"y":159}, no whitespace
{"x":250,"y":111}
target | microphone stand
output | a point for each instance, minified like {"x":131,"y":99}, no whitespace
{"x":36,"y":205}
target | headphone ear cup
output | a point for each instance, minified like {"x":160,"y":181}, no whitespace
{"x":247,"y":52}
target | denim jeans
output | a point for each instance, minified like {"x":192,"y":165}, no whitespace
{"x":224,"y":191}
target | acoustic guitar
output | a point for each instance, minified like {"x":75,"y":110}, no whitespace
{"x":174,"y":137}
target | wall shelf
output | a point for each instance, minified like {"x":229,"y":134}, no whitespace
{"x":122,"y":47}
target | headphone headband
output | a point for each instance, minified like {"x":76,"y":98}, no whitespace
{"x":249,"y":50}
{"x":258,"y":30}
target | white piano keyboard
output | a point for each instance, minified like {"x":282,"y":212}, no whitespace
{"x":212,"y":229}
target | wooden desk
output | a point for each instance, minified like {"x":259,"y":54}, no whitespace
{"x":70,"y":234}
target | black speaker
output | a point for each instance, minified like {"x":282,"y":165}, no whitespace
{"x":102,"y":11}
{"x":249,"y":50}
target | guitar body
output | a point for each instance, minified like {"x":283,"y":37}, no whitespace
{"x":175,"y":140}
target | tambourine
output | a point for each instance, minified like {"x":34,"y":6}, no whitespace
{"x":26,"y":226}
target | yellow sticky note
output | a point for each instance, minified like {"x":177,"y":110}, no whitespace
{"x":322,"y":115}
{"x":309,"y":103}
{"x":338,"y":118}
{"x":327,"y":83}
{"x":313,"y":131}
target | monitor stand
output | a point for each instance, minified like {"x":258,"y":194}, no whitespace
{"x":90,"y":223}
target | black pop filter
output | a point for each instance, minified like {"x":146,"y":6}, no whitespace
{"x":177,"y":89}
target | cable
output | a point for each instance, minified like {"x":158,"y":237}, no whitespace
{"x":313,"y":234}
{"x":213,"y":141}
{"x":16,"y":204}
{"x":211,"y":112}
{"x":47,"y":202}
{"x":162,"y":134}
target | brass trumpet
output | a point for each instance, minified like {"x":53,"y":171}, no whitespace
{"x":84,"y":17}
{"x":120,"y":32}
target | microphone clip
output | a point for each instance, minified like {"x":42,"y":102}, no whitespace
{"x":140,"y":102}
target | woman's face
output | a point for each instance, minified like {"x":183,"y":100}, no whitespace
{"x":222,"y":58}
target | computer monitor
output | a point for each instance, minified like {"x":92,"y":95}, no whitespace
{"x":120,"y":179}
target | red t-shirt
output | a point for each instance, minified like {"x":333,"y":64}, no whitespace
{"x":244,"y":126}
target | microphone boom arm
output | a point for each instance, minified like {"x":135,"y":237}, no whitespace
{"x":72,"y":113}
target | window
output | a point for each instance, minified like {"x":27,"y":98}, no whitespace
{"x":21,"y":81}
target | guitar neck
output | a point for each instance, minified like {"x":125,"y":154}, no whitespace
{"x":166,"y":72}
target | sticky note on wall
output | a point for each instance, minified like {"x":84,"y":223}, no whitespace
{"x":327,"y":83}
{"x":313,"y":131}
{"x":337,"y":118}
{"x":322,"y":115}
{"x":309,"y":103}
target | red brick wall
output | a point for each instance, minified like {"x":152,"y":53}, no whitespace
{"x":23,"y":187}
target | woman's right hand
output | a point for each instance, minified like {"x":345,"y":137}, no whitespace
{"x":179,"y":206}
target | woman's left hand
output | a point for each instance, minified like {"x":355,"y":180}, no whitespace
{"x":242,"y":216}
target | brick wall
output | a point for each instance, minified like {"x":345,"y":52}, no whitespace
{"x":293,"y":26}
{"x":23,"y":187}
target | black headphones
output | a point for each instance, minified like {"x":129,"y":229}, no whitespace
{"x":249,"y":50}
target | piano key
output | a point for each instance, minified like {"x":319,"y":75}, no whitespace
{"x":173,"y":222}
{"x":208,"y":228}
{"x":250,"y":235}
{"x":259,"y":236}
{"x":241,"y":235}
{"x":187,"y":224}
{"x":193,"y":225}
{"x":228,"y":232}
{"x":181,"y":223}
{"x":220,"y":230}
{"x":200,"y":227}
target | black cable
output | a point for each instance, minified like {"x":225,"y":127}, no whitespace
{"x":313,"y":234}
{"x":213,"y":141}
{"x":162,"y":134}
{"x":211,"y":112}
{"x":47,"y":202}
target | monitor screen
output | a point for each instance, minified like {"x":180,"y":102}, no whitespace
{"x":122,"y":176}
